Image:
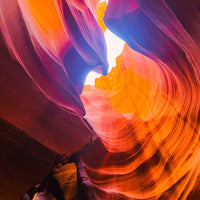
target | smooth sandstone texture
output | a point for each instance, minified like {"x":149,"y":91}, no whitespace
{"x":146,"y":111}
{"x":46,"y":50}
{"x":144,"y":116}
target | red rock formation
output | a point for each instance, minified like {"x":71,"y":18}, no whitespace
{"x":146,"y":111}
{"x":144,"y":115}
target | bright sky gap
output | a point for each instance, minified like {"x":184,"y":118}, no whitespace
{"x":114,"y":48}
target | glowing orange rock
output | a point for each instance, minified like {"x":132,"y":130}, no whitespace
{"x":150,"y":143}
{"x":146,"y":112}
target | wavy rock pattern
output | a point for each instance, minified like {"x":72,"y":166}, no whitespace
{"x":57,"y":45}
{"x":146,"y":111}
{"x":46,"y":50}
{"x":145,"y":114}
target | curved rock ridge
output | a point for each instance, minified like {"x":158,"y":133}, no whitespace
{"x":146,"y":111}
{"x":135,"y":134}
{"x":46,"y":50}
{"x":56,"y":43}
